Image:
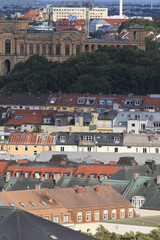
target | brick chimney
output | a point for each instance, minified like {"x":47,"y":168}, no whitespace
{"x":158,"y":179}
{"x":79,"y":190}
{"x":97,"y":188}
{"x":112,"y":163}
{"x":63,"y":162}
{"x":135,"y":176}
{"x":97,"y":162}
{"x":124,"y":133}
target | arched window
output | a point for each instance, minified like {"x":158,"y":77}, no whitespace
{"x":43,"y":49}
{"x":86,"y":48}
{"x":37,"y":49}
{"x":135,"y":36}
{"x":21,"y":49}
{"x":57,"y":49}
{"x":31,"y":49}
{"x":77,"y":49}
{"x":50,"y":49}
{"x":67,"y":50}
{"x":7,"y":46}
{"x":92,"y":48}
{"x":7,"y":66}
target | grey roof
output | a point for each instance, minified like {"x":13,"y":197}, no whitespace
{"x":99,"y":21}
{"x":15,"y":184}
{"x":127,"y":172}
{"x":107,"y":28}
{"x":66,"y":182}
{"x":141,"y":140}
{"x":105,"y":139}
{"x":146,"y":187}
{"x":16,"y":224}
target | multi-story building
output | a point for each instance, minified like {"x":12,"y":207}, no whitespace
{"x":18,"y":42}
{"x":80,"y":13}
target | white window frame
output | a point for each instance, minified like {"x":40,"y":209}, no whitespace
{"x":56,"y":219}
{"x":114,"y":213}
{"x":105,"y":214}
{"x":122,"y":212}
{"x":79,"y":216}
{"x":96,"y":215}
{"x":88,"y":216}
{"x":66,"y":218}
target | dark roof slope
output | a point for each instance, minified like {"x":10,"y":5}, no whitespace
{"x":16,"y":224}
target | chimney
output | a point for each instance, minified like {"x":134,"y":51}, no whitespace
{"x":79,"y":190}
{"x":124,"y":133}
{"x":70,"y":131}
{"x":63,"y":162}
{"x":158,"y":179}
{"x":97,"y":187}
{"x":97,"y":162}
{"x":37,"y":186}
{"x":135,"y":176}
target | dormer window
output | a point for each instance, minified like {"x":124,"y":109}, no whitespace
{"x":52,"y":100}
{"x":90,"y":101}
{"x":62,"y":139}
{"x":102,"y":102}
{"x":81,"y":100}
{"x":117,"y":140}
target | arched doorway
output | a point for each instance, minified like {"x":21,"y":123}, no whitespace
{"x":7,"y":66}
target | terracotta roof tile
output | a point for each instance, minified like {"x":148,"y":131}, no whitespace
{"x":87,"y":170}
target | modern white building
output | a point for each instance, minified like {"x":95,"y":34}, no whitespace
{"x":96,"y":24}
{"x":79,"y":12}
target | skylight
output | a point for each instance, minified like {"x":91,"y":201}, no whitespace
{"x":53,"y":237}
{"x":18,"y":117}
{"x":12,"y":205}
{"x":33,"y":204}
{"x":43,"y":203}
{"x":23,"y":204}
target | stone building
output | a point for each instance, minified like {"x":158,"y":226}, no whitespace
{"x":18,"y":42}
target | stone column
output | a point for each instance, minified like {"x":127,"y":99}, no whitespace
{"x":15,"y":45}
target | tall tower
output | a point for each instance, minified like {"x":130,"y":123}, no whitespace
{"x":120,"y":8}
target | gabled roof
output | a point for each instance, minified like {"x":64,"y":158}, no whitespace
{"x":21,"y":225}
{"x":23,"y":99}
{"x":3,"y":166}
{"x":89,"y":169}
{"x":35,"y":15}
{"x":88,"y":197}
{"x":32,"y":138}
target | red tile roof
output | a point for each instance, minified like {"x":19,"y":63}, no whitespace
{"x":21,"y":118}
{"x":3,"y":165}
{"x":35,"y":15}
{"x":40,"y":170}
{"x":32,"y":138}
{"x":87,"y":170}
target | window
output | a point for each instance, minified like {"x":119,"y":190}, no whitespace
{"x":46,"y":217}
{"x":31,"y":49}
{"x":43,"y":49}
{"x":23,"y":204}
{"x":89,"y":149}
{"x":116,"y":150}
{"x":49,"y":148}
{"x":16,"y":148}
{"x":105,"y":214}
{"x":133,"y":124}
{"x":113,"y":213}
{"x":97,"y":215}
{"x":116,"y":139}
{"x":57,"y":49}
{"x":33,"y":204}
{"x":67,"y":50}
{"x":88,"y":216}
{"x":66,"y":218}
{"x":157,"y":150}
{"x":130,"y":212}
{"x":2,"y":147}
{"x":122,"y":213}
{"x":50,"y":49}
{"x":21,"y":49}
{"x":37,"y":49}
{"x":43,"y":203}
{"x":35,"y":152}
{"x":26,"y":148}
{"x":87,"y":138}
{"x":79,"y":216}
{"x":144,"y":150}
{"x":12,"y":205}
{"x":7,"y":46}
{"x":56,"y":219}
{"x":62,"y":139}
{"x":62,"y":149}
{"x":77,"y":49}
